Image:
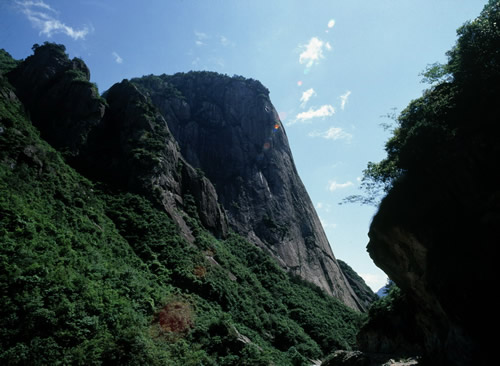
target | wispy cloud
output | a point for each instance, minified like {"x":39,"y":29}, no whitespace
{"x":45,"y":18}
{"x":331,"y":23}
{"x":326,"y":207}
{"x":323,"y":111}
{"x":117,"y":57}
{"x":333,"y":185}
{"x":217,"y":61}
{"x":306,"y":96}
{"x":326,"y":224}
{"x":201,"y":38}
{"x":343,"y":99}
{"x":333,"y":133}
{"x":196,"y":62}
{"x":375,"y":281}
{"x":37,"y":4}
{"x":312,"y":52}
{"x":226,"y":42}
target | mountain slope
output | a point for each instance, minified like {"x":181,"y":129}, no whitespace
{"x":228,"y":128}
{"x":214,"y":137}
{"x":99,"y":271}
{"x":359,"y":286}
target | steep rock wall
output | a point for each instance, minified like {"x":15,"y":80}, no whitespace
{"x":228,"y":128}
{"x":120,"y":139}
{"x":215,"y":138}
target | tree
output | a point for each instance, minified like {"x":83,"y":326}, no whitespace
{"x":431,"y":132}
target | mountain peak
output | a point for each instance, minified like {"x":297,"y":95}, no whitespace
{"x":228,"y":128}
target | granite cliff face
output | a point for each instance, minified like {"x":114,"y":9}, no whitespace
{"x":228,"y":128}
{"x":121,"y":139}
{"x":172,"y":138}
{"x":134,"y":148}
{"x":115,"y":250}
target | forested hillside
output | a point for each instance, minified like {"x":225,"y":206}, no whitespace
{"x":91,"y":273}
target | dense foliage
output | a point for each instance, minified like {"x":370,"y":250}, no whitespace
{"x":453,"y":116}
{"x":441,"y":194}
{"x":90,"y":274}
{"x":7,"y":63}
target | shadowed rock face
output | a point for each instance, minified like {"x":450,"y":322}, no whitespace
{"x":228,"y":128}
{"x":122,"y":139}
{"x":134,"y":148}
{"x":436,"y":242}
{"x":436,"y":232}
{"x":62,"y":102}
{"x":203,"y":135}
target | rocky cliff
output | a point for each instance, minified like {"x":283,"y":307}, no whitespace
{"x":202,"y":135}
{"x":127,"y":259}
{"x":228,"y":128}
{"x":436,"y":232}
{"x":122,"y":139}
{"x":361,"y":289}
{"x":64,"y":105}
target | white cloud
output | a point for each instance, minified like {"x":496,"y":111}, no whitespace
{"x":333,"y":185}
{"x":331,"y":23}
{"x":200,"y":38}
{"x":226,"y":42}
{"x":326,"y":224}
{"x":36,"y":4}
{"x":217,"y":61}
{"x":375,"y":281}
{"x":196,"y":61}
{"x":343,"y":99}
{"x":313,"y":52}
{"x":201,"y":35}
{"x":306,"y":96}
{"x":333,"y":133}
{"x":323,"y":111}
{"x":42,"y":17}
{"x":328,"y":46}
{"x":325,"y":207}
{"x":117,"y":57}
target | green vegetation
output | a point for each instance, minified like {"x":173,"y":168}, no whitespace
{"x":7,"y":63}
{"x":158,"y":85}
{"x":393,"y":317}
{"x":93,"y":275}
{"x":451,"y":117}
{"x":439,"y":180}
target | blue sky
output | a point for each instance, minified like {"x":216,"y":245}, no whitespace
{"x":333,"y":68}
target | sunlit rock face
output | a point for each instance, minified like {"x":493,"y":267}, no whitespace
{"x":229,"y":129}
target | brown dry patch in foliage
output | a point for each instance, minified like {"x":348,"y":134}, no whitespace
{"x":175,"y":319}
{"x":200,"y":271}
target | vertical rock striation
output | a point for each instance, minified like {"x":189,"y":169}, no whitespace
{"x":229,"y":129}
{"x":203,"y":135}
